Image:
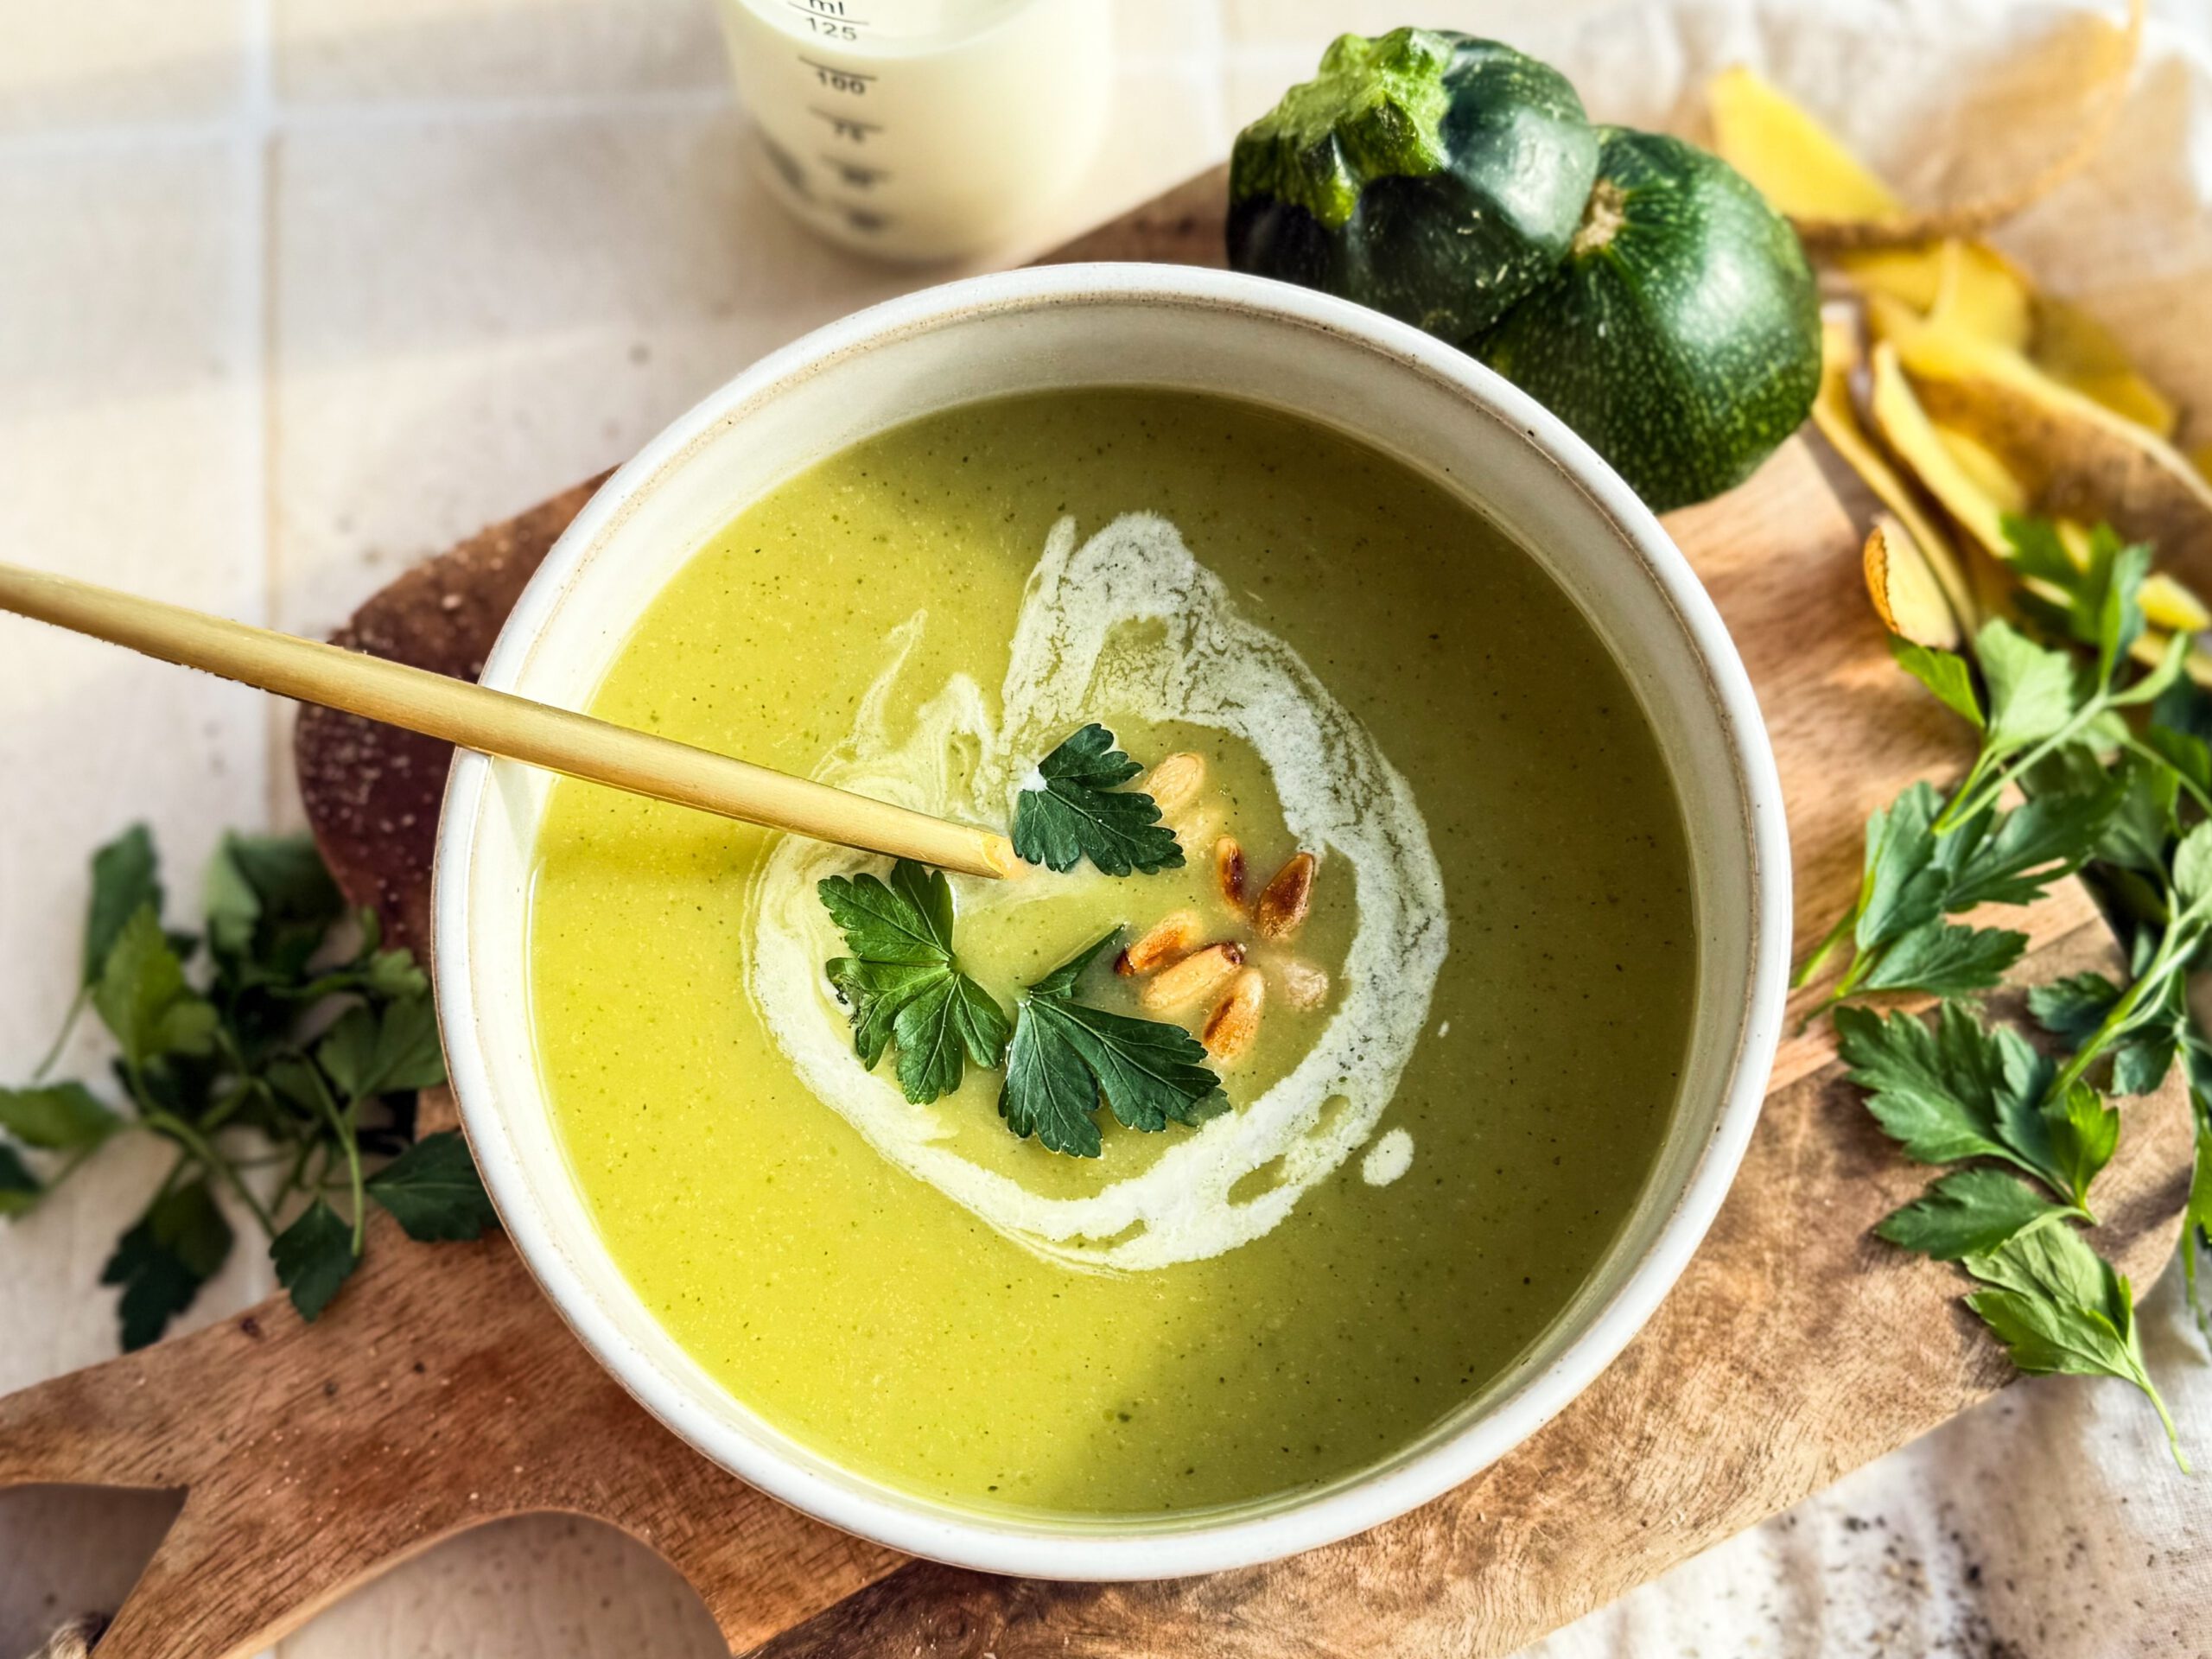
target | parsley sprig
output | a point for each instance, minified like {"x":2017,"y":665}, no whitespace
{"x":280,"y":1065}
{"x":1076,"y":809}
{"x":1959,"y":1090}
{"x":1066,"y":1055}
{"x":2109,"y":766}
{"x":1929,"y":856}
{"x":902,"y":984}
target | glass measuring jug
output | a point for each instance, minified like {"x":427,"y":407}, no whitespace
{"x":921,"y":129}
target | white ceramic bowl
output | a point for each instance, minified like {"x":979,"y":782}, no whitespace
{"x":1123,"y":325}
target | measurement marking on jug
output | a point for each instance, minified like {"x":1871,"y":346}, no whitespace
{"x":838,"y":81}
{"x":844,"y":126}
{"x":860,"y":175}
{"x":828,"y":18}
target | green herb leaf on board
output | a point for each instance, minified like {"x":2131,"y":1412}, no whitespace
{"x":125,"y":880}
{"x":2143,"y":823}
{"x":1949,"y":1091}
{"x":1969,"y":1212}
{"x":2073,"y":1008}
{"x":144,"y":999}
{"x":2084,"y":1135}
{"x":2189,"y":757}
{"x":2032,"y":691}
{"x":1943,"y":672}
{"x":2012,"y":857}
{"x":19,"y":1189}
{"x":314,"y":1257}
{"x":1944,"y":959}
{"x":2059,"y":1307}
{"x":57,"y":1117}
{"x":2076,"y":1007}
{"x":1903,"y":886}
{"x":392,"y":1049}
{"x":433,"y":1189}
{"x":1915,"y":872}
{"x":2193,"y":867}
{"x":179,"y":1244}
{"x":271,"y":902}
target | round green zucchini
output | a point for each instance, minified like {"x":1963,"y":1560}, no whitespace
{"x":1682,"y":336}
{"x":1427,"y":174}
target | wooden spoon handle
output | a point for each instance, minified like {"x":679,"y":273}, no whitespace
{"x":500,"y":723}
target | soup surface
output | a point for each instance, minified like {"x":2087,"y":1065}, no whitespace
{"x":1469,"y":1052}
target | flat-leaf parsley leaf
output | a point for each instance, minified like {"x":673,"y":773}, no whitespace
{"x":433,"y":1190}
{"x":2059,"y":1307}
{"x":278,"y":1054}
{"x":1065,"y":1055}
{"x":314,"y":1257}
{"x":1075,"y":809}
{"x":902,"y":985}
{"x":179,"y":1244}
{"x":1968,"y":1212}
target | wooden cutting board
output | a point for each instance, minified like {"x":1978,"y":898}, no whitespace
{"x":441,"y":1390}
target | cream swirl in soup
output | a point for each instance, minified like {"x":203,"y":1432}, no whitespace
{"x":1128,"y":622}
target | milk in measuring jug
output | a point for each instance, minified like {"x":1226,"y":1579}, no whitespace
{"x":921,"y":129}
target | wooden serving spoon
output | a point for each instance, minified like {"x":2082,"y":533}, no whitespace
{"x":500,"y":723}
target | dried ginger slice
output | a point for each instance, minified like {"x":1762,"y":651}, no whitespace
{"x":1797,"y":164}
{"x":1904,"y":425}
{"x":1806,"y":173}
{"x":2076,"y":350}
{"x":1902,"y":585}
{"x":2074,"y":457}
{"x":1838,"y":421}
{"x":1827,"y":234}
{"x":1990,"y":476}
{"x":1980,"y":291}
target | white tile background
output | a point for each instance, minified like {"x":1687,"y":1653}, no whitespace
{"x":293,"y":292}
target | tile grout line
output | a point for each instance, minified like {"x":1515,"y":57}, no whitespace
{"x":259,"y":103}
{"x":528,"y":106}
{"x":257,"y":161}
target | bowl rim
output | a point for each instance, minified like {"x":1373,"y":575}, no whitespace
{"x":1181,"y":1547}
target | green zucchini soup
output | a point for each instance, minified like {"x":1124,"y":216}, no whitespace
{"x":1431,"y":930}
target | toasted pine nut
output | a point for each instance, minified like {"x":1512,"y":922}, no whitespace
{"x":1169,"y":939}
{"x":1229,"y":870}
{"x":1236,"y":1019}
{"x":1175,"y":782}
{"x":1285,"y":900}
{"x":1199,"y":976}
{"x":1305,"y":985}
